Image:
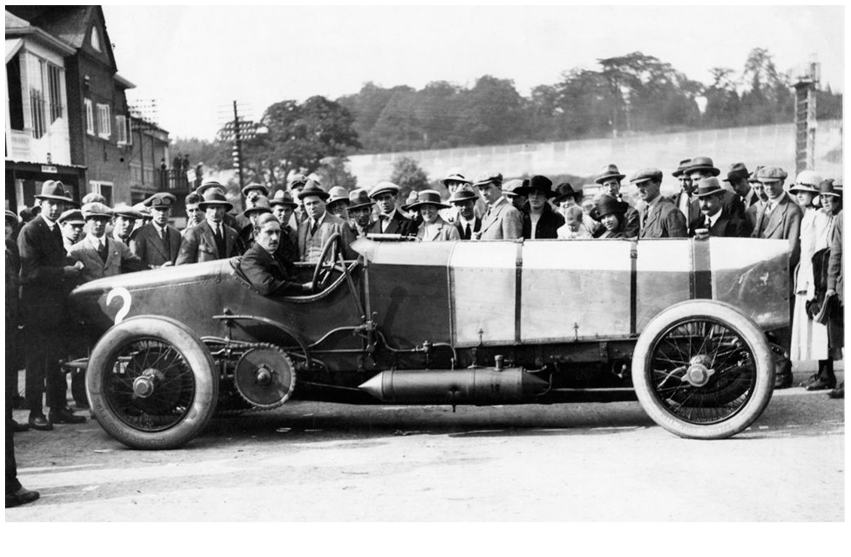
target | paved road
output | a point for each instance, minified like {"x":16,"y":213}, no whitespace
{"x":577,"y":462}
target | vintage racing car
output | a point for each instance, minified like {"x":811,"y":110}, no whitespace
{"x":681,"y":324}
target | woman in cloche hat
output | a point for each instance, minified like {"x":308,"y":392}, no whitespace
{"x":433,"y":228}
{"x":612,"y":214}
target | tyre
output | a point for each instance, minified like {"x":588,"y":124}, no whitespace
{"x":152,"y":383}
{"x":703,"y":370}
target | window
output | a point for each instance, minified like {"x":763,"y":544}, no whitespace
{"x":121,"y":128}
{"x":90,"y":117}
{"x":95,"y":39}
{"x":103,"y":188}
{"x":15,"y":91}
{"x":45,"y":82}
{"x":54,"y":89}
{"x":104,"y":121}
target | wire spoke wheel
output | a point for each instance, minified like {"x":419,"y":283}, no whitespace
{"x":152,"y":383}
{"x":702,"y":369}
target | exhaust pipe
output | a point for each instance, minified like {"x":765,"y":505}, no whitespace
{"x":459,"y":386}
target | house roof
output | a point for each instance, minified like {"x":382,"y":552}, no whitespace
{"x":69,"y":23}
{"x":13,"y":21}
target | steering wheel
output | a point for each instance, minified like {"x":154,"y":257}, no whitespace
{"x":325,"y":265}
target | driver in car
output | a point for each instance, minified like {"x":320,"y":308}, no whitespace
{"x":267,"y":271}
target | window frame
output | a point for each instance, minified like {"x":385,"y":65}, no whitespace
{"x":90,"y":116}
{"x":104,"y":121}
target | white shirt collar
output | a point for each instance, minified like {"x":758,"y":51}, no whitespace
{"x":714,"y":218}
{"x":49,"y":222}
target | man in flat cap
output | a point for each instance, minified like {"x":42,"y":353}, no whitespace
{"x":501,"y":221}
{"x":71,"y":222}
{"x":610,"y":179}
{"x":124,"y":219}
{"x":320,"y":225}
{"x":390,"y":219}
{"x":101,"y":255}
{"x":703,"y":167}
{"x":212,"y":239}
{"x":46,"y":281}
{"x":780,"y":218}
{"x":659,"y":218}
{"x":713,"y":221}
{"x":157,"y":243}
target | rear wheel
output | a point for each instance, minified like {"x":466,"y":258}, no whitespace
{"x":703,"y":370}
{"x":152,"y":383}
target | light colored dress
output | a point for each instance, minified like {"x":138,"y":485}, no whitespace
{"x":809,"y":339}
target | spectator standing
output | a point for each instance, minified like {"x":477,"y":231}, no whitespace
{"x":739,"y":180}
{"x":13,"y":356}
{"x":390,"y":219}
{"x":540,"y":220}
{"x":501,"y":221}
{"x":246,"y":235}
{"x":46,"y":280}
{"x":703,"y":167}
{"x":320,"y":225}
{"x":433,"y":227}
{"x":464,"y":199}
{"x":124,"y":220}
{"x":713,"y":221}
{"x":194,"y":214}
{"x":212,"y":239}
{"x":360,"y":212}
{"x":71,"y":222}
{"x":760,"y":198}
{"x":613,"y":217}
{"x":659,"y":218}
{"x":157,"y":243}
{"x":282,"y":207}
{"x":835,"y":289}
{"x":610,"y":179}
{"x":101,"y":255}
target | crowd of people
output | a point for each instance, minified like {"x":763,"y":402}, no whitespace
{"x":62,"y":246}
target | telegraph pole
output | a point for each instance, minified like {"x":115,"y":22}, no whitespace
{"x":237,"y":147}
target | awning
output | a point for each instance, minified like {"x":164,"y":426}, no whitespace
{"x":12,"y":48}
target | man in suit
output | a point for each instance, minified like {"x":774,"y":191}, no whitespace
{"x":468,"y":224}
{"x":660,"y":218}
{"x":760,"y":198}
{"x":713,"y":221}
{"x":501,"y":221}
{"x":101,"y":255}
{"x":738,"y":178}
{"x":360,"y":212}
{"x":263,"y":266}
{"x":124,"y":219}
{"x":157,"y":243}
{"x":46,"y":280}
{"x":260,"y":207}
{"x":253,"y":192}
{"x":283,"y":206}
{"x":609,"y":179}
{"x":835,"y":284}
{"x":780,"y":218}
{"x":212,"y":239}
{"x":71,"y":222}
{"x":685,"y":199}
{"x":703,"y":167}
{"x":194,"y":214}
{"x":390,"y":219}
{"x":320,"y":225}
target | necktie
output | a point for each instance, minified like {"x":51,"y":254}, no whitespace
{"x":166,"y":244}
{"x":644,"y":213}
{"x":708,"y":224}
{"x":385,"y":222}
{"x":220,"y":241}
{"x":313,"y":226}
{"x":467,"y":232}
{"x":102,"y":251}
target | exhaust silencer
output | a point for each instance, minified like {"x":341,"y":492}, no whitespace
{"x":459,"y":386}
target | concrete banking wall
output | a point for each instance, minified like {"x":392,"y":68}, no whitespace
{"x":755,"y":145}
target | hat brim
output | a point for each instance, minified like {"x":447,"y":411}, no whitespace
{"x":559,"y":198}
{"x":373,"y":195}
{"x":416,"y":206}
{"x":443,"y":181}
{"x":204,"y":204}
{"x":805,"y":189}
{"x":338,"y":200}
{"x":359,"y":205}
{"x":708,"y":193}
{"x":55,"y":198}
{"x":712,"y":170}
{"x":264,"y":189}
{"x":605,"y":177}
{"x":324,"y":195}
{"x":463,"y":199}
{"x":525,"y":191}
{"x":292,"y":204}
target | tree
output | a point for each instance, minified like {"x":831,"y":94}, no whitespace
{"x":408,"y":175}
{"x":297,"y":137}
{"x":493,"y":112}
{"x":333,"y":172}
{"x":722,"y":100}
{"x":769,"y":99}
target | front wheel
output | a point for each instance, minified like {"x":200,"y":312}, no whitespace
{"x":703,"y":370}
{"x":152,"y":383}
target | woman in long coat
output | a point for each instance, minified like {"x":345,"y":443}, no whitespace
{"x":809,"y":337}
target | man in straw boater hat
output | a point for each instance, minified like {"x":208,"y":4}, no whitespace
{"x":468,"y":223}
{"x":433,"y":227}
{"x":713,"y":221}
{"x":659,"y":217}
{"x":501,"y":221}
{"x":157,"y":243}
{"x":46,"y":281}
{"x":212,"y":239}
{"x":610,"y":179}
{"x":390,"y":219}
{"x":319,"y":225}
{"x":283,"y":206}
{"x":101,"y":255}
{"x":540,"y":220}
{"x":360,"y":212}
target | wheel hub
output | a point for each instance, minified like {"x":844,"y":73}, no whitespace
{"x":698,"y":372}
{"x":143,"y":386}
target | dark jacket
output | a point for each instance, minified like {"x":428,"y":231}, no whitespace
{"x":548,"y":224}
{"x":146,"y":244}
{"x":267,"y":273}
{"x":400,"y":224}
{"x":664,"y":220}
{"x":724,"y":227}
{"x":199,"y":244}
{"x":44,"y":288}
{"x":462,"y":228}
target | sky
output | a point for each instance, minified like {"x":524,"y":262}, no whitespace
{"x":195,"y":61}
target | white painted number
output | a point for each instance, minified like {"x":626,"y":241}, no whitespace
{"x":124,"y":295}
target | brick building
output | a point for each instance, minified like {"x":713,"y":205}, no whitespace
{"x":98,"y":120}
